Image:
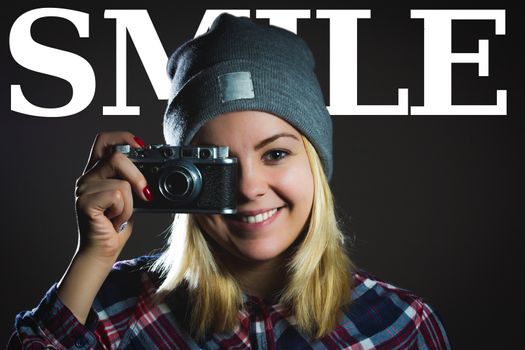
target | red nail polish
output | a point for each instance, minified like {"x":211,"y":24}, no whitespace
{"x":139,"y":141}
{"x":147,"y":193}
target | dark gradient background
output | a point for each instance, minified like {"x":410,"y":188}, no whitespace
{"x":431,"y":203}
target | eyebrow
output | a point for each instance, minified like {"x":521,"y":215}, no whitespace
{"x":262,"y":143}
{"x":273,"y":138}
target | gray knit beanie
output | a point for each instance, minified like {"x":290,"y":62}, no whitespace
{"x":240,"y":65}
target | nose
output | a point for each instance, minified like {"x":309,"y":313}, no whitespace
{"x":252,"y":182}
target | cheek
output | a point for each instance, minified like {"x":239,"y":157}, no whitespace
{"x":296,"y":185}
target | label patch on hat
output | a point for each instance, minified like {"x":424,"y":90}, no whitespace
{"x":236,"y":86}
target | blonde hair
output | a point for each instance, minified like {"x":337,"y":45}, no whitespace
{"x":320,"y":271}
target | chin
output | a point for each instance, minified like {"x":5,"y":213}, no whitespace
{"x":258,"y":252}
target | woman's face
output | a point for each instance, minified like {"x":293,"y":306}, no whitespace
{"x":275,"y":184}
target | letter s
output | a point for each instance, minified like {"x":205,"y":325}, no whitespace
{"x":59,"y":63}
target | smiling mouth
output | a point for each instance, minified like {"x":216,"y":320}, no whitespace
{"x":255,"y":219}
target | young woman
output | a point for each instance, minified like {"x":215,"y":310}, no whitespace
{"x":275,"y":274}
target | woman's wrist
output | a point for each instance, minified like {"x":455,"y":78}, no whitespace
{"x":82,"y":281}
{"x":100,"y":261}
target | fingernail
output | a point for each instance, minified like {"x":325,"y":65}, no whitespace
{"x":140,"y":142}
{"x":122,"y":226}
{"x":147,"y":193}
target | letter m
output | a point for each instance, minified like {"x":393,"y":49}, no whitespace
{"x":151,"y":52}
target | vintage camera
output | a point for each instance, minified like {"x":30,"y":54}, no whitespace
{"x":185,"y":179}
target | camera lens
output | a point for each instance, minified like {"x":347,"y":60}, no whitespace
{"x":205,"y":153}
{"x":176,"y":184}
{"x":180,"y":182}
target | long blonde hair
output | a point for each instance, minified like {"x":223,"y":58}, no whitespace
{"x":319,"y":271}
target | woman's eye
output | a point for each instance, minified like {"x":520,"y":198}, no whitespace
{"x":276,"y":155}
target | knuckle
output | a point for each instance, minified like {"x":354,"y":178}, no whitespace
{"x":80,"y":185}
{"x":100,"y":135}
{"x":116,"y":196}
{"x":80,"y":180}
{"x":79,"y":190}
{"x":127,"y":134}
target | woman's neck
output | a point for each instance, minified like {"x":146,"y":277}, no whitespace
{"x":263,"y":279}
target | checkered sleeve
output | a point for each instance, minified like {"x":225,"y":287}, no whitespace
{"x":431,"y":331}
{"x":52,"y":325}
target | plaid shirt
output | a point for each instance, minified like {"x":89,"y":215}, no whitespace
{"x":381,"y":316}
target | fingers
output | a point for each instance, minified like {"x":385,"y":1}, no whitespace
{"x":121,"y":187}
{"x":117,"y":165}
{"x":105,"y":208}
{"x":95,"y":186}
{"x":120,"y":211}
{"x":103,"y":142}
{"x":104,"y":198}
{"x":100,"y":236}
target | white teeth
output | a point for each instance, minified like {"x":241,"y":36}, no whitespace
{"x":259,"y":217}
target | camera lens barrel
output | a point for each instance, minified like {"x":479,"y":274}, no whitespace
{"x":180,"y":181}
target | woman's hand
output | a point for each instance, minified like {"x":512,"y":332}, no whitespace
{"x":104,"y":201}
